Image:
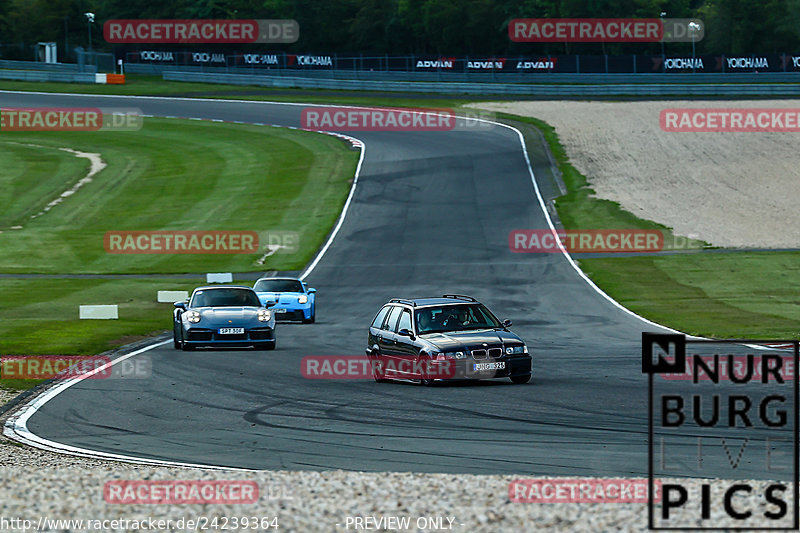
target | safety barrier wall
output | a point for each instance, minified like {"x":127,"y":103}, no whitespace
{"x":546,"y":78}
{"x":39,"y":75}
{"x":584,"y":90}
{"x":41,"y":66}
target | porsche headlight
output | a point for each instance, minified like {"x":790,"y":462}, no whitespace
{"x":302,"y":299}
{"x":193,"y":317}
{"x":264,"y":315}
{"x":515,"y":350}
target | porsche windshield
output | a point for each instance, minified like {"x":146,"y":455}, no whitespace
{"x":278,"y":285}
{"x":225,"y":298}
{"x":454,"y":318}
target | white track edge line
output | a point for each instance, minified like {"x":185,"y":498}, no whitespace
{"x":340,"y":221}
{"x":17,"y":425}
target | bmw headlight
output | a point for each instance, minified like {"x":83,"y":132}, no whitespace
{"x":193,"y":317}
{"x":302,"y":299}
{"x":264,"y":315}
{"x":450,"y":355}
{"x":515,"y":350}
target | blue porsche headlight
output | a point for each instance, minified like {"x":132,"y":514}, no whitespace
{"x":302,"y":299}
{"x":193,"y":317}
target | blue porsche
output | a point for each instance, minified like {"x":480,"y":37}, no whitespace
{"x":223,"y":316}
{"x":294,"y":300}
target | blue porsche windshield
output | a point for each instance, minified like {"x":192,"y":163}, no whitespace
{"x":225,"y":298}
{"x":278,"y":285}
{"x":454,"y":318}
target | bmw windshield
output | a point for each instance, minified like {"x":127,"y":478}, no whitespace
{"x":454,"y":318}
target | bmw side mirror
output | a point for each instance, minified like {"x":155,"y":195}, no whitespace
{"x":312,"y":291}
{"x":180,"y":305}
{"x":507,"y":323}
{"x":406,"y":333}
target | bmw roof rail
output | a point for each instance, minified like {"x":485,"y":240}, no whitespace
{"x":402,"y":301}
{"x":459,"y":297}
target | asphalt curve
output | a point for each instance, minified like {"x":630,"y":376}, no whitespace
{"x":430,"y":215}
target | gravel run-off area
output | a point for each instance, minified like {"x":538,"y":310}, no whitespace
{"x":728,"y":189}
{"x":47,"y":486}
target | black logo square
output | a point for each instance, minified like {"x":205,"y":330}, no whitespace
{"x":663,"y":341}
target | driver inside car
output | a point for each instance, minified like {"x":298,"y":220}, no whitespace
{"x":424,"y":321}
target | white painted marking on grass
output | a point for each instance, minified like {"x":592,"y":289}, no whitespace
{"x":219,"y":277}
{"x":98,"y":312}
{"x":272,"y":249}
{"x":172,"y":296}
{"x":96,"y":164}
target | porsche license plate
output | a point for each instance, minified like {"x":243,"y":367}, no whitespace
{"x":279,"y":310}
{"x":489,"y":366}
{"x":231,"y":331}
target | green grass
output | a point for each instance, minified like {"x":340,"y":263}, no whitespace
{"x":171,"y":175}
{"x":40,"y":316}
{"x":721,"y":295}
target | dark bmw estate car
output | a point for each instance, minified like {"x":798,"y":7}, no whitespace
{"x":452,"y":337}
{"x":223,"y":316}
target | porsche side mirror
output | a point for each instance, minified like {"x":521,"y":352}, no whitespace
{"x":270,"y":303}
{"x":180,"y":305}
{"x":312,"y":291}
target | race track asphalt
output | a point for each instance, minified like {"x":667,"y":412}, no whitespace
{"x":431,"y":215}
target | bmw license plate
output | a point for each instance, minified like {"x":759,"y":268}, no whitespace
{"x":489,"y":366}
{"x":279,"y":310}
{"x":231,"y":331}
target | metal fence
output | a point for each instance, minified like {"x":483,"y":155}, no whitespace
{"x":95,"y":61}
{"x":535,"y":90}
